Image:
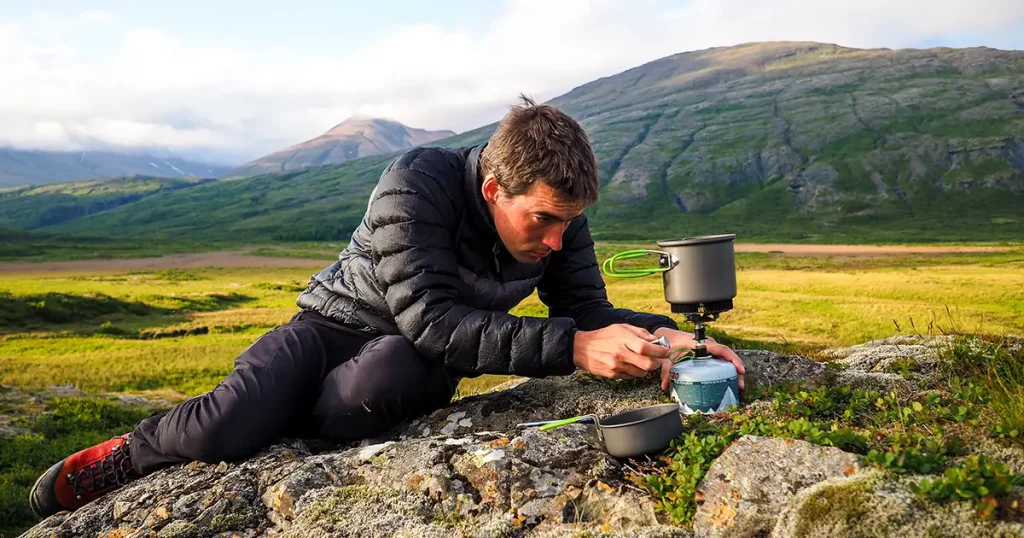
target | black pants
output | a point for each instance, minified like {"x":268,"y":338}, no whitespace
{"x":310,"y":377}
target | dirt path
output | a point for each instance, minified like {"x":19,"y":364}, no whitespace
{"x":179,"y":261}
{"x":865,"y":250}
{"x":239,"y":258}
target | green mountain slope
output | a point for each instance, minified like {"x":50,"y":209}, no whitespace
{"x":774,"y":141}
{"x":31,"y":208}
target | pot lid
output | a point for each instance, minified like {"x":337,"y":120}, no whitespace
{"x":699,"y":240}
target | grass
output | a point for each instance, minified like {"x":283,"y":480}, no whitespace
{"x":175,"y":333}
{"x":68,"y":425}
{"x":22,"y":246}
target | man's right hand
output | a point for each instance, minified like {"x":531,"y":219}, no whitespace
{"x":621,"y":351}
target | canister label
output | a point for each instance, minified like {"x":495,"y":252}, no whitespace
{"x":705,"y":396}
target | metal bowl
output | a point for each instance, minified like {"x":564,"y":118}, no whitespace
{"x":640,"y":431}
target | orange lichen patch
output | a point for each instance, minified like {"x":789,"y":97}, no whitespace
{"x":604,"y":487}
{"x":849,"y":470}
{"x":497,"y":443}
{"x":414,"y":481}
{"x":723,"y":516}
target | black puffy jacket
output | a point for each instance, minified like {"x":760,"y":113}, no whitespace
{"x":427,"y":262}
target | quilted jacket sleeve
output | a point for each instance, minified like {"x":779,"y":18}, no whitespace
{"x":412,"y":219}
{"x":573,"y":287}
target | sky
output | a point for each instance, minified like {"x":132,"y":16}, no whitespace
{"x":230,"y":81}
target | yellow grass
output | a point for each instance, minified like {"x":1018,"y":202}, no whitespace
{"x":820,"y":307}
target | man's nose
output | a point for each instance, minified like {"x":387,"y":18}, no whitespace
{"x":553,"y":237}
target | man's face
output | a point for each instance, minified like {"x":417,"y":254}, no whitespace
{"x":530,"y":224}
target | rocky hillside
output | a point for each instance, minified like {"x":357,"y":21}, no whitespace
{"x":468,"y":470}
{"x":773,"y":141}
{"x":353,"y":138}
{"x":797,"y":130}
{"x":22,"y":167}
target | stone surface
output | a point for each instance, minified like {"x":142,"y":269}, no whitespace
{"x":768,"y":368}
{"x":753,"y":480}
{"x":897,"y":364}
{"x":468,"y":470}
{"x":482,"y":477}
{"x":870,"y":504}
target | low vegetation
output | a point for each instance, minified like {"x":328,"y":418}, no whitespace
{"x":947,"y":429}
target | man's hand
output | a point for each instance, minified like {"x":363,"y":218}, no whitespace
{"x":680,"y":339}
{"x":621,"y":351}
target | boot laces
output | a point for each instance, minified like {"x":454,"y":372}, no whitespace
{"x":113,"y":470}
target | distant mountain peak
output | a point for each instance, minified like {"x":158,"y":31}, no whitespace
{"x":358,"y":136}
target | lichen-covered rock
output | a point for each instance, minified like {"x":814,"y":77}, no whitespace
{"x":469,"y":470}
{"x":767,"y":368}
{"x":872,"y":504}
{"x":526,"y":482}
{"x":897,"y":364}
{"x":532,"y":400}
{"x":752,"y":481}
{"x":892,"y":365}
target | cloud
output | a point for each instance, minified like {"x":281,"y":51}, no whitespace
{"x":155,"y":88}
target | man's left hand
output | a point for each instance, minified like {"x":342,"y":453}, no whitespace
{"x":680,"y":339}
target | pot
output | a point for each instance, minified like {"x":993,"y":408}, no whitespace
{"x":700,"y":272}
{"x":632,"y":433}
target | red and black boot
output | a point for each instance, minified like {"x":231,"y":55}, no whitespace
{"x":84,"y":476}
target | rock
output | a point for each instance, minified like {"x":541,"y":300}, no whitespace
{"x":476,"y":483}
{"x":871,"y":504}
{"x":769,"y":368}
{"x":918,"y":353}
{"x":883,"y":383}
{"x":478,"y":474}
{"x":752,"y":481}
{"x":895,"y":364}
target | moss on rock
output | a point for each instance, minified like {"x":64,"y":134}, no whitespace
{"x":874,"y":504}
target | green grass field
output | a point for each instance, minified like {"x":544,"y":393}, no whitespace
{"x":174,"y":333}
{"x":178,"y":330}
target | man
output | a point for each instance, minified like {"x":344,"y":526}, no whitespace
{"x":450,"y":242}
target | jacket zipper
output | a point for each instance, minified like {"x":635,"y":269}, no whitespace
{"x":497,"y":264}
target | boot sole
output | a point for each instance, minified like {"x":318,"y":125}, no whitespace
{"x":49,"y":504}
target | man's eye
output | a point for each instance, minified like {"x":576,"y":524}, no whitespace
{"x":541,"y":218}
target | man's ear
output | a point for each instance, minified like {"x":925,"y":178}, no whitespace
{"x":489,"y":189}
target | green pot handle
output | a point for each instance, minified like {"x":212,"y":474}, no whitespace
{"x":563,"y":422}
{"x":608,"y":267}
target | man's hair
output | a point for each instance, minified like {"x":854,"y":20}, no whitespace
{"x":542,"y":142}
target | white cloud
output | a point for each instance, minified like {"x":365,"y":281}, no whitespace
{"x":155,"y":88}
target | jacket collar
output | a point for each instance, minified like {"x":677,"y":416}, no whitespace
{"x":480,"y":215}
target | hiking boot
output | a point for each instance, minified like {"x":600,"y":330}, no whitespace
{"x":84,"y":476}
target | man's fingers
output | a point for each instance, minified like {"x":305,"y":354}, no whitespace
{"x":723,"y":352}
{"x":666,"y":371}
{"x":625,"y":370}
{"x":645,"y":363}
{"x":643,"y":347}
{"x":639,"y":331}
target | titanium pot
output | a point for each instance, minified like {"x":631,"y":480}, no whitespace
{"x":632,"y":433}
{"x":699,"y":272}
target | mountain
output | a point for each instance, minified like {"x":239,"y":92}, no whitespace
{"x":351,"y":139}
{"x":31,"y":167}
{"x":30,"y":208}
{"x":773,"y":141}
